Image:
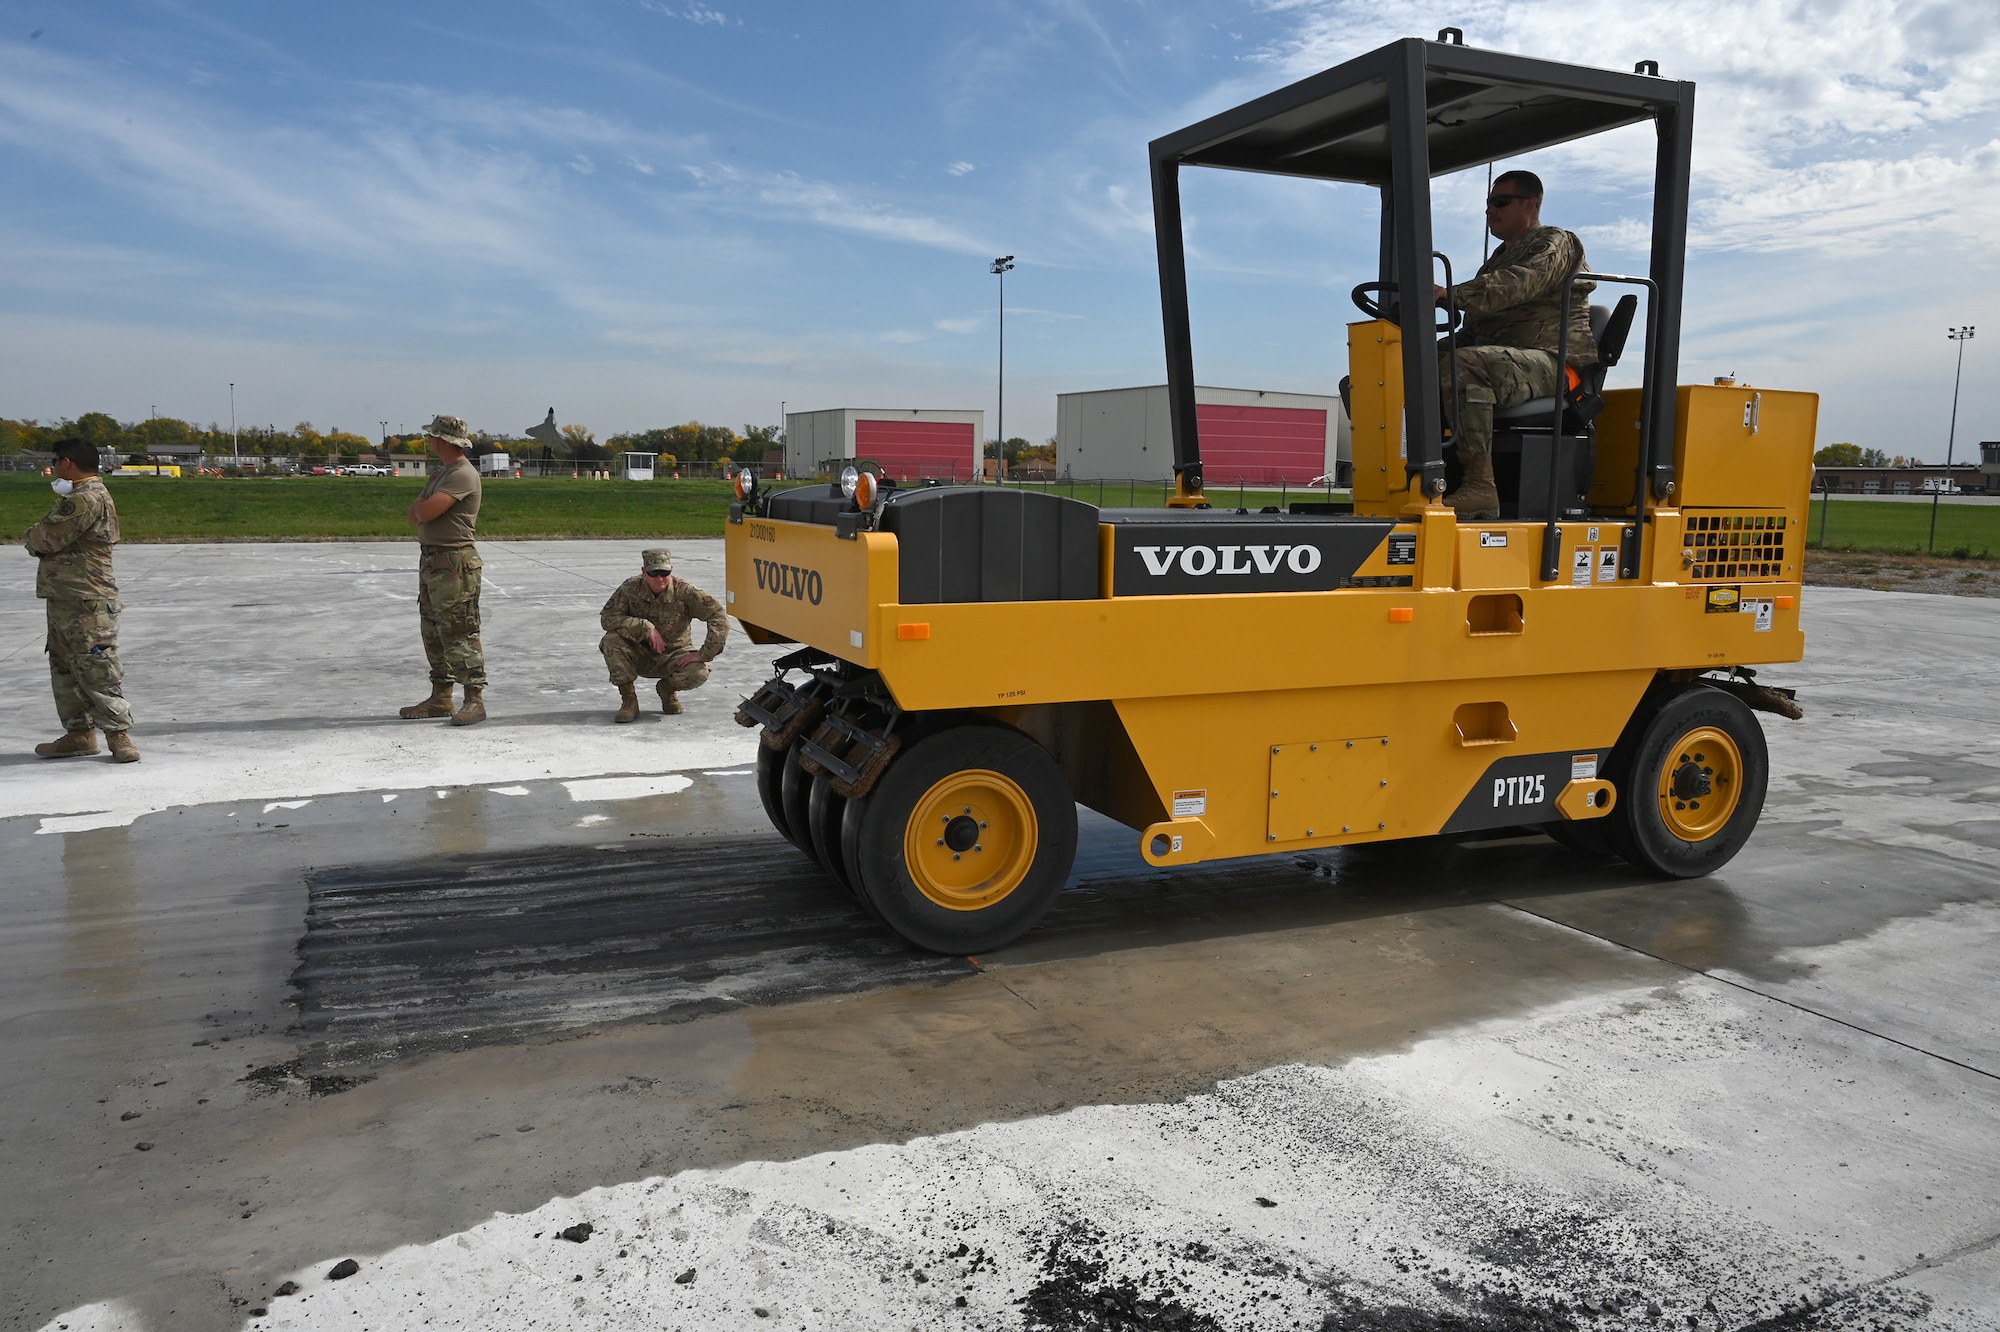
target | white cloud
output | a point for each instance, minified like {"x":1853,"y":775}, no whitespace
{"x":786,"y":195}
{"x":958,"y":168}
{"x":972,"y":325}
{"x":1836,"y":126}
{"x":694,"y":13}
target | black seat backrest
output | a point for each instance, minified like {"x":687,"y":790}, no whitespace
{"x":1611,"y":338}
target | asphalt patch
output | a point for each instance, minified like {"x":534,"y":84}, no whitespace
{"x":452,"y":952}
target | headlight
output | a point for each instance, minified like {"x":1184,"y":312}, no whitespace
{"x":746,"y":483}
{"x":849,"y":478}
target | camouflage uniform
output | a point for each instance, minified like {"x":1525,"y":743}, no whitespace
{"x":448,"y":575}
{"x":634,"y":610}
{"x":74,"y":545}
{"x":448,"y":614}
{"x":1513,"y":314}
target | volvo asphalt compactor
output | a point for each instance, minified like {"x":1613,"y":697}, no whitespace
{"x":976,"y":660}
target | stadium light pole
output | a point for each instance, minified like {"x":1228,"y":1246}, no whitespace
{"x":999,"y":270}
{"x":235,"y":448}
{"x":1961,"y":336}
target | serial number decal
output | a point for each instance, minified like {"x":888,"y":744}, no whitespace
{"x":788,"y":580}
{"x":762,"y":532}
{"x":1525,"y":790}
{"x":1491,"y":539}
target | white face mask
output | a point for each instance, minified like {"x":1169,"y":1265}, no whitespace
{"x":62,"y":485}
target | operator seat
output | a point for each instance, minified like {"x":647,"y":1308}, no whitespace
{"x":1608,"y":329}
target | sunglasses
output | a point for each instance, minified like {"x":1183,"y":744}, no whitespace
{"x":659,"y":573}
{"x":1502,"y":200}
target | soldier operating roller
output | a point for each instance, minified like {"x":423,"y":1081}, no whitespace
{"x":646,"y":634}
{"x":1513,"y":316}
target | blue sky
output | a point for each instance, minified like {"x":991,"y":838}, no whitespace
{"x":643,"y":211}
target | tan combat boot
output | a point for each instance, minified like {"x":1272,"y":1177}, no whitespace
{"x":628,"y":703}
{"x":74,"y":744}
{"x":669,"y":705}
{"x":122,"y":748}
{"x":437,"y":705}
{"x":474,"y":709}
{"x":1476,"y":496}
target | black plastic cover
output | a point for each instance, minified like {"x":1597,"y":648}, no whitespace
{"x":807,"y":504}
{"x":989,"y":543}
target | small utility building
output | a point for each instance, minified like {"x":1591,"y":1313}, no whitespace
{"x":1257,"y":436}
{"x":909,"y":443}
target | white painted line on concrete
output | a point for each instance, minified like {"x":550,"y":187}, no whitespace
{"x":628,"y":788}
{"x":286,"y":804}
{"x":509,"y":790}
{"x":732,"y":772}
{"x":391,"y":796}
{"x":108,"y":818}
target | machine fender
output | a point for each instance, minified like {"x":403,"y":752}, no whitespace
{"x":1526,"y":788}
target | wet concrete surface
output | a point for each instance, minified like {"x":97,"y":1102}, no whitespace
{"x":377,"y":1017}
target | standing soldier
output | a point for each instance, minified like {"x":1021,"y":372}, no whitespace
{"x":646,"y":633}
{"x":448,"y":577}
{"x":74,"y":546}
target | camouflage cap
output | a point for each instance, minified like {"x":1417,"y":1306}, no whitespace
{"x":450,"y":429}
{"x":659,"y":557}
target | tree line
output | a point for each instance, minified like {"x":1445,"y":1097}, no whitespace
{"x":691,"y":441}
{"x":1853,"y":455}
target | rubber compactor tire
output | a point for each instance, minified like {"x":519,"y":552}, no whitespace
{"x":964,"y":841}
{"x":1692,"y":785}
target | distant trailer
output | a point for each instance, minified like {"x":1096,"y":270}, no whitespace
{"x":636,"y":466}
{"x":908,"y":444}
{"x":1258,"y":437}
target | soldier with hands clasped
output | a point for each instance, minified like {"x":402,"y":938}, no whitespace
{"x":73,"y":545}
{"x":646,"y":634}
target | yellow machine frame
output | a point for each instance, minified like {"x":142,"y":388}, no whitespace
{"x":1479,"y":659}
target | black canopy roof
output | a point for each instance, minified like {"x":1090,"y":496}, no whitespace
{"x":1479,"y":106}
{"x":1396,"y":117}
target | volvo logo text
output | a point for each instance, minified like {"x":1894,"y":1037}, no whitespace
{"x":1200,"y":561}
{"x":788,"y":580}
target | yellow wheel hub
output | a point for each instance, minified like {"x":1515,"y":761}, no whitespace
{"x":970,"y":840}
{"x":1700,"y":784}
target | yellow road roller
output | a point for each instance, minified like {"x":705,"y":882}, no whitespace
{"x":974,"y":661}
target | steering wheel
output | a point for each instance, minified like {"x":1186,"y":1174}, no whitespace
{"x":1386,"y":307}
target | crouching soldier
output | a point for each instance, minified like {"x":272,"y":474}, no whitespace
{"x":646,"y":634}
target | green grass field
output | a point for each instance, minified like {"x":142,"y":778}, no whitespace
{"x":1964,"y":531}
{"x":361,"y":508}
{"x":364,"y":507}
